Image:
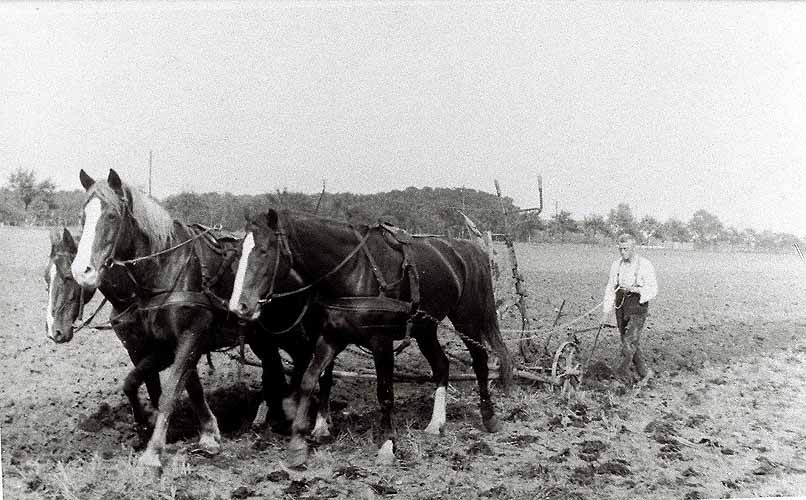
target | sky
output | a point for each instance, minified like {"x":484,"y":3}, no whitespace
{"x":671,"y":107}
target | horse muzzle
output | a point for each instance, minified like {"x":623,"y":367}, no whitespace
{"x":88,"y":278}
{"x":244,"y":312}
{"x":60,"y":335}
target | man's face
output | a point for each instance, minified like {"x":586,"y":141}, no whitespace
{"x":627,"y":250}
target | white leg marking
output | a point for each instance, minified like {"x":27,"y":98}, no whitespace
{"x":50,"y":319}
{"x":237,"y":289}
{"x":290,"y":407}
{"x":386,"y":455}
{"x":262,"y":416}
{"x":151,"y":457}
{"x":92,"y":212}
{"x":438,"y":415}
{"x":210,"y":437}
{"x":322,"y":429}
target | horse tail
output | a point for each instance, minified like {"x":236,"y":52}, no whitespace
{"x":492,"y":334}
{"x":491,"y":331}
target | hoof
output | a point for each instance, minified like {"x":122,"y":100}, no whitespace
{"x":151,"y":460}
{"x":321,"y":431}
{"x":209,"y":445}
{"x":386,"y":455}
{"x":492,"y":425}
{"x":297,"y":452}
{"x":434,"y":429}
{"x":322,"y":437}
{"x":261,"y":418}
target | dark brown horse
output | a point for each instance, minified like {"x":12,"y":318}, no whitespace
{"x":65,"y":303}
{"x":65,"y":297}
{"x":370,"y":286}
{"x":176,"y":281}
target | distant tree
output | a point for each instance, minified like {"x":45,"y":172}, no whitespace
{"x":593,"y":224}
{"x":24,"y":185}
{"x":749,"y":237}
{"x":621,"y":220}
{"x":675,"y":230}
{"x":648,"y":227}
{"x":188,"y":207}
{"x":705,"y":228}
{"x":10,"y":208}
{"x":562,"y":223}
{"x":526,"y":225}
{"x":731,"y":236}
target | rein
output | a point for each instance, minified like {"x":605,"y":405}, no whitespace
{"x":108,"y":324}
{"x":116,"y":262}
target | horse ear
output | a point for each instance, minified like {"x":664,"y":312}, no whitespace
{"x":86,"y":181}
{"x":114,"y":180}
{"x":68,"y":241}
{"x":271,"y":218}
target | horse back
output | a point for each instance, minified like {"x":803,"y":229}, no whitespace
{"x":447,"y":270}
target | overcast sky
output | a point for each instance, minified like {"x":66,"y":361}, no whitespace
{"x":668,"y":106}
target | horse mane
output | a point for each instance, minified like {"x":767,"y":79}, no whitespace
{"x":153,"y":220}
{"x":297,"y":215}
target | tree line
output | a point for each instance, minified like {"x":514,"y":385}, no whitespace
{"x":25,"y":200}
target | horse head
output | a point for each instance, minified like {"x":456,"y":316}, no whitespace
{"x":117,"y":221}
{"x":65,"y":297}
{"x":265,"y":259}
{"x":102,"y":223}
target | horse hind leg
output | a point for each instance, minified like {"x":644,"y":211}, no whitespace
{"x":428,"y":344}
{"x":479,"y":356}
{"x":321,"y":430}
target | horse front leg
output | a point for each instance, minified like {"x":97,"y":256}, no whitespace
{"x":146,"y":368}
{"x":323,"y":356}
{"x":209,"y":433}
{"x":321,"y":430}
{"x":187,"y":355}
{"x":275,"y":388}
{"x":384,"y":356}
{"x":429,"y":346}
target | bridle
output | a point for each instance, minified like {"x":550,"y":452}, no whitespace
{"x":67,"y":275}
{"x":282,"y":247}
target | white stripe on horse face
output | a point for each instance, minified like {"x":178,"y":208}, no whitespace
{"x":237,"y":289}
{"x":50,"y":319}
{"x":92,"y":212}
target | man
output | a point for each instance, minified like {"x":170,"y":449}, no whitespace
{"x":630,"y":287}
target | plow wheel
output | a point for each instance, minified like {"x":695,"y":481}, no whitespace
{"x":566,"y":370}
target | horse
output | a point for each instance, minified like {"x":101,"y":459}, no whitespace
{"x":177,"y":278}
{"x":374,"y":285}
{"x":65,"y":297}
{"x":66,"y":300}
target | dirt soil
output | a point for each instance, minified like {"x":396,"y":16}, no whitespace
{"x":722,"y":417}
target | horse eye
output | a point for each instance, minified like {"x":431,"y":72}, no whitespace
{"x":111,"y":216}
